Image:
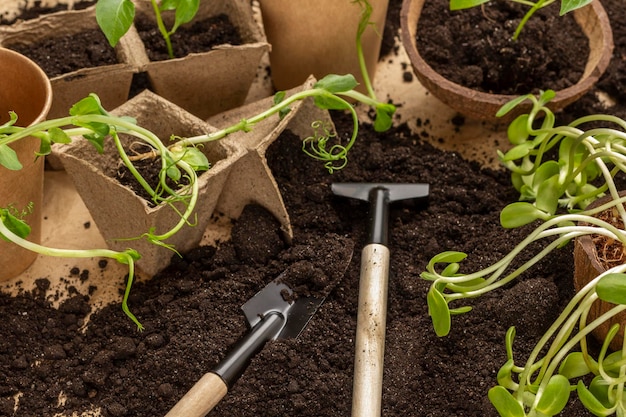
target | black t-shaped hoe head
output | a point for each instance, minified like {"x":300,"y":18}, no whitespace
{"x":379,"y":195}
{"x":373,"y":283}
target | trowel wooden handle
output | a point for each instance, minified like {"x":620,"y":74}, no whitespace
{"x":201,"y":398}
{"x":370,"y":332}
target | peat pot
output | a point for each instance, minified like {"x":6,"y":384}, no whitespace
{"x":587,"y":266}
{"x":26,"y":90}
{"x":592,"y":19}
{"x":318,"y":38}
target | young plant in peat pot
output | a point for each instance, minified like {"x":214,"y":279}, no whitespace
{"x":475,"y":63}
{"x":207,"y":81}
{"x":590,"y":154}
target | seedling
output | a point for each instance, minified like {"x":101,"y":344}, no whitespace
{"x":557,"y":194}
{"x":182,"y":159}
{"x":566,"y":6}
{"x":115,"y":17}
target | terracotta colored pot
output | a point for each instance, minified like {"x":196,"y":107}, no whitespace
{"x":479,"y":105}
{"x":318,"y":38}
{"x":588,"y":266}
{"x":26,"y":90}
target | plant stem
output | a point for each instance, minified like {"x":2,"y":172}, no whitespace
{"x":164,"y":32}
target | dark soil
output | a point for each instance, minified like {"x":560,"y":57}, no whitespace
{"x":191,"y":310}
{"x":37,"y":9}
{"x":196,"y":37}
{"x":64,"y":54}
{"x":550,"y":53}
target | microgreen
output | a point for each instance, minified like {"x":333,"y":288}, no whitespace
{"x":558,"y":171}
{"x":566,"y":6}
{"x":115,"y":17}
{"x":182,"y":158}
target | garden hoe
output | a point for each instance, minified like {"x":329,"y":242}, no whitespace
{"x":374,"y":278}
{"x":275,"y":312}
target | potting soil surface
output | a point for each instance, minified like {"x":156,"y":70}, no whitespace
{"x":53,"y":363}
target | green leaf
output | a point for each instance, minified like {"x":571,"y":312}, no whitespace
{"x":8,"y":158}
{"x":438,"y":311}
{"x":115,"y":17}
{"x":334,"y":83}
{"x":384,"y":114}
{"x":517,"y":131}
{"x":519,"y":214}
{"x":612,"y":288}
{"x":545,"y":171}
{"x":57,"y":135}
{"x":330,"y":103}
{"x":555,"y":396}
{"x":14,"y":224}
{"x":591,"y":402}
{"x":569,"y":5}
{"x":185,"y":11}
{"x":192,"y":156}
{"x":507,"y":107}
{"x":505,"y":378}
{"x":45,"y":147}
{"x":574,"y":366}
{"x":460,"y":310}
{"x":465,"y":4}
{"x":518,"y":151}
{"x":600,"y":389}
{"x":88,"y":105}
{"x":548,"y":195}
{"x":505,"y":403}
{"x":173,"y":172}
{"x":446,"y":257}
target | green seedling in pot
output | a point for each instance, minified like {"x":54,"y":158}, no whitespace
{"x":566,"y":6}
{"x":115,"y":17}
{"x":557,"y":193}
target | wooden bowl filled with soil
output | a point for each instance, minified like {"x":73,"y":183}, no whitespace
{"x":594,"y":255}
{"x":494,"y":84}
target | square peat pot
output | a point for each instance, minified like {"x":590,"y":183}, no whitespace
{"x":203,"y":83}
{"x":119,"y":213}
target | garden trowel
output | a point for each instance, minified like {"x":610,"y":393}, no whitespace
{"x":275,"y":312}
{"x":373,"y":284}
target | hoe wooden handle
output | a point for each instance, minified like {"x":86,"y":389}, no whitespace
{"x":370,"y":333}
{"x":201,"y":398}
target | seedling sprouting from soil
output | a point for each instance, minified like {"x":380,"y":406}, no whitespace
{"x":566,"y":6}
{"x":115,"y":18}
{"x":556,"y":194}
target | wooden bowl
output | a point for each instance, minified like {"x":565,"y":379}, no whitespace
{"x":479,"y":105}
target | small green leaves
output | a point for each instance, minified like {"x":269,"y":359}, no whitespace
{"x":8,"y":158}
{"x":438,"y":311}
{"x":465,"y":4}
{"x":185,"y":11}
{"x":115,"y":17}
{"x":519,"y":214}
{"x":505,"y":403}
{"x":555,"y":396}
{"x":384,"y":114}
{"x":612,"y":288}
{"x":334,"y":83}
{"x":517,"y":131}
{"x":14,"y":223}
{"x":574,"y":366}
{"x":570,"y":5}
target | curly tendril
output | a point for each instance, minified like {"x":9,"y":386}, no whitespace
{"x":316,"y":146}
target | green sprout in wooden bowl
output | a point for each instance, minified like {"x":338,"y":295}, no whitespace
{"x":555,"y":194}
{"x":566,"y":6}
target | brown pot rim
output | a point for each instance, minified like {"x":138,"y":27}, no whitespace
{"x":486,"y":105}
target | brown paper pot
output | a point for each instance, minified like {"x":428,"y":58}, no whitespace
{"x":587,"y":266}
{"x":117,"y":211}
{"x":251,"y":181}
{"x":319,"y":38}
{"x":111,"y":82}
{"x":24,"y":89}
{"x":475,"y":104}
{"x":206,"y":83}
